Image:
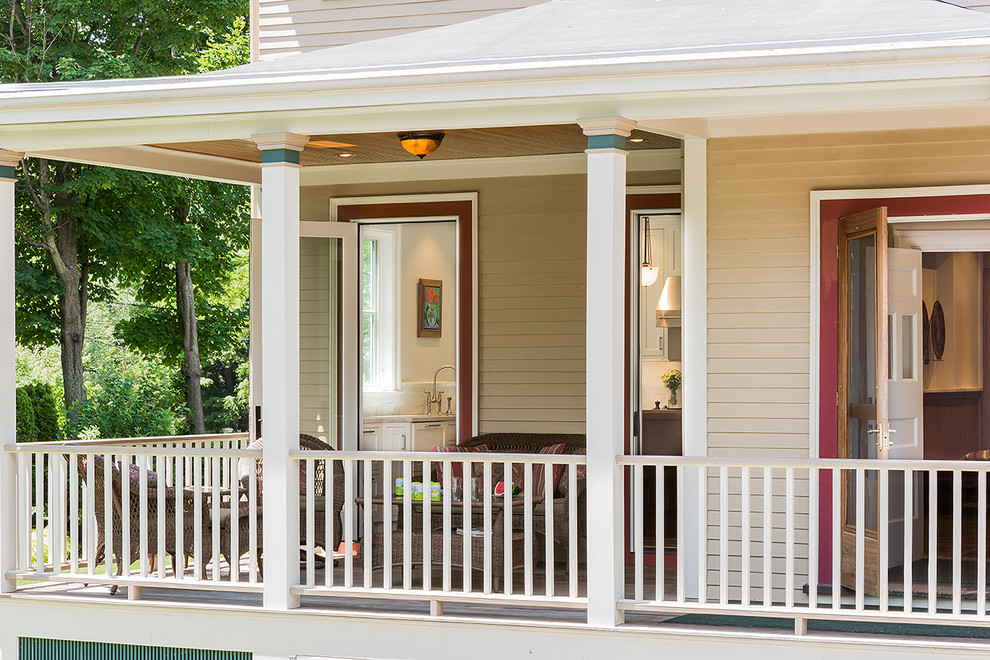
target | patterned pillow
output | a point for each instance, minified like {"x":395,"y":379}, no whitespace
{"x":456,"y":468}
{"x":978,"y":455}
{"x":539,"y":478}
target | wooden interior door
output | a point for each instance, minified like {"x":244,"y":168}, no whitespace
{"x":862,"y":394}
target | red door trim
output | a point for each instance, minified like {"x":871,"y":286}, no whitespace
{"x":830,"y":211}
{"x":463,"y":210}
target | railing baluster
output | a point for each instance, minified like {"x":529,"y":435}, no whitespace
{"x":507,"y":514}
{"x":548,"y":483}
{"x":813,"y":496}
{"x":660,"y":534}
{"x":215,"y":485}
{"x":528,"y":527}
{"x":767,"y":536}
{"x":108,"y":514}
{"x":125,"y":521}
{"x":956,"y":542}
{"x":427,"y":527}
{"x":702,"y":500}
{"x":349,"y":523}
{"x":981,"y":543}
{"x":388,"y":488}
{"x":638,"y":542}
{"x":932,"y":541}
{"x":860,"y":538}
{"x":489,"y":532}
{"x":837,"y":525}
{"x":311,"y":517}
{"x":196,"y":464}
{"x":178,"y":484}
{"x":234,"y":519}
{"x":331,"y":520}
{"x":723,"y":535}
{"x":160,"y":492}
{"x":252,"y":513}
{"x":368,"y":550}
{"x":789,"y":537}
{"x":448,"y":522}
{"x":883,"y":534}
{"x":908,"y":538}
{"x":407,"y":524}
{"x":74,"y":546}
{"x":467,"y":524}
{"x":681,"y":554}
{"x":39,"y":512}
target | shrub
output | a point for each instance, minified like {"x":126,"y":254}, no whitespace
{"x":122,"y":406}
{"x":26,"y":429}
{"x":45,"y":412}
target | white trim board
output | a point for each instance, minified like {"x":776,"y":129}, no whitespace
{"x":814,"y":341}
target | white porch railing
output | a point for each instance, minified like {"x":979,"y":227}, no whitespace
{"x":111,"y":512}
{"x":461,"y":546}
{"x":763,"y":544}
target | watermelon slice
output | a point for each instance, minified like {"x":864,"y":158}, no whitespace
{"x":500,"y":488}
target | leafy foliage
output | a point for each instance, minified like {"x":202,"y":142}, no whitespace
{"x":26,"y":430}
{"x":45,"y":412}
{"x":123,"y":406}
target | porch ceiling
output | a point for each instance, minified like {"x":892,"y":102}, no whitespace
{"x":457,"y":145}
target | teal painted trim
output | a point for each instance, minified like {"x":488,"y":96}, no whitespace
{"x":8,"y":172}
{"x":280,"y":156}
{"x":606,"y":142}
{"x":52,"y":649}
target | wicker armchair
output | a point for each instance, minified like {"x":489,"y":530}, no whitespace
{"x":134,"y":517}
{"x":244,"y":471}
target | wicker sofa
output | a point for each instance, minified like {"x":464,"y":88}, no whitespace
{"x":532,"y":443}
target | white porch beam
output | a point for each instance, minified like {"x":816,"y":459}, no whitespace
{"x":280,"y":354}
{"x":8,"y":384}
{"x":694,"y":316}
{"x":605,"y":405}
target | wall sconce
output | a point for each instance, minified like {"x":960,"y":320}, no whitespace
{"x":421,"y":144}
{"x":669,"y":305}
{"x":650,"y":272}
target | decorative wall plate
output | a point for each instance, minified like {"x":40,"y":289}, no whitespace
{"x":926,"y":348}
{"x":938,"y":330}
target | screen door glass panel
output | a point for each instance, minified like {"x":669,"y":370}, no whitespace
{"x":320,"y":271}
{"x":862,"y":342}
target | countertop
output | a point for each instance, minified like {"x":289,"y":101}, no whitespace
{"x":407,"y":419}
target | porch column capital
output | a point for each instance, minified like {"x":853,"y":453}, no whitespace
{"x":614,"y":125}
{"x":9,"y":160}
{"x":280,"y":148}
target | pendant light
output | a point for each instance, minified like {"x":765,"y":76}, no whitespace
{"x":650,"y":272}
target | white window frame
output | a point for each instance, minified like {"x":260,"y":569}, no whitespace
{"x":385,"y":377}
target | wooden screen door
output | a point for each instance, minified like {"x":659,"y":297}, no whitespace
{"x":862,"y":396}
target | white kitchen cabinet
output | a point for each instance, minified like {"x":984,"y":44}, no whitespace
{"x":396,"y":437}
{"x":371,"y":437}
{"x":427,"y":435}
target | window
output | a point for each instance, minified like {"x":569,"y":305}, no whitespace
{"x":378,"y":317}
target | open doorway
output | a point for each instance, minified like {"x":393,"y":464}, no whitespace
{"x":884,"y":289}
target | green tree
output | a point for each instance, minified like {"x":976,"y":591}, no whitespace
{"x":26,"y":430}
{"x":73,"y":219}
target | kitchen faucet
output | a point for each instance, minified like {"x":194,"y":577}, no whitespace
{"x":434,"y":396}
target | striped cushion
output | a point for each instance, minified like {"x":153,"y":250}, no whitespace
{"x":978,"y":455}
{"x":539,"y":478}
{"x":456,"y":470}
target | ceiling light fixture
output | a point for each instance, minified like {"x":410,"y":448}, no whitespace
{"x":344,"y":155}
{"x":650,"y":272}
{"x":637,"y":140}
{"x":421,"y":144}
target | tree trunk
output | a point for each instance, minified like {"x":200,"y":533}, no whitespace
{"x":192,"y":370}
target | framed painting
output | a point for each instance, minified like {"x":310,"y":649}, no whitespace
{"x":430,"y":308}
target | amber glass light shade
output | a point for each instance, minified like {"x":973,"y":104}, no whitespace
{"x":421,"y":144}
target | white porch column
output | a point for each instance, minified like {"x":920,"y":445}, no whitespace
{"x":605,"y":363}
{"x":280,"y":356}
{"x":8,"y":385}
{"x":694,"y":296}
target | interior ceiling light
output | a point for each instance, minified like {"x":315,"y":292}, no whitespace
{"x":421,"y":144}
{"x":637,"y":139}
{"x":650,"y":272}
{"x":328,"y":144}
{"x":344,"y":155}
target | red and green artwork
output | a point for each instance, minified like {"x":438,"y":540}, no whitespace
{"x":430,"y":308}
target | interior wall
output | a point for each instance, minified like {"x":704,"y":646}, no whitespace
{"x":531,"y":291}
{"x":759,"y":305}
{"x":427,"y":251}
{"x":954,"y":280}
